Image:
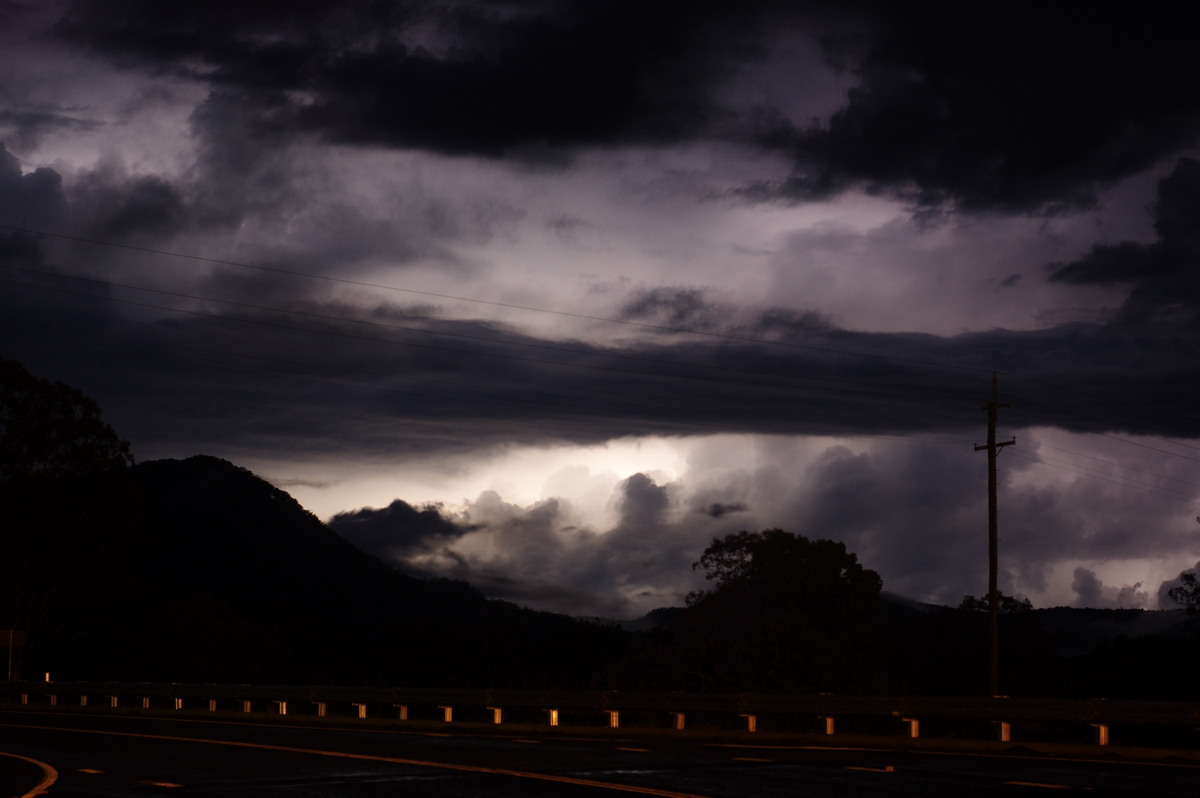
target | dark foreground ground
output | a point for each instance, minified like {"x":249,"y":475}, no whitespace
{"x":77,"y":754}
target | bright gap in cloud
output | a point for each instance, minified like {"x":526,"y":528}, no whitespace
{"x":571,"y":520}
{"x":586,"y":476}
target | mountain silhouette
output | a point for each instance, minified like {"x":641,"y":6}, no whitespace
{"x":236,"y":582}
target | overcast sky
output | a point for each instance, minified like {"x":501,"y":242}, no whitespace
{"x":546,"y":295}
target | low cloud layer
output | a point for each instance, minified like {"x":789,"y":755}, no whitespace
{"x":913,"y":510}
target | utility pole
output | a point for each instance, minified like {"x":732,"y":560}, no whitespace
{"x":993,"y":449}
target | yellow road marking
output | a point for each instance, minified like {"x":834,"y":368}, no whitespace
{"x":1045,"y":785}
{"x":521,"y":774}
{"x":635,"y":750}
{"x":49,"y":775}
{"x":90,"y":771}
{"x":160,"y":784}
{"x":888,"y":769}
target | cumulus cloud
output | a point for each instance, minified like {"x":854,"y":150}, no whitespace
{"x":397,"y":530}
{"x":1090,"y":591}
{"x":29,"y":198}
{"x":1164,"y":599}
{"x":542,"y":555}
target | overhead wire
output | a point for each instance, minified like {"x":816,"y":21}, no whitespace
{"x":290,"y":368}
{"x":583,"y":316}
{"x":756,"y":374}
{"x":493,"y":303}
{"x":1091,"y":473}
{"x":510,"y":340}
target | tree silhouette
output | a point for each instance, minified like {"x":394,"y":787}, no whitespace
{"x":52,"y":430}
{"x":1187,"y":594}
{"x":786,"y":614}
{"x":65,"y":501}
{"x":1006,"y":605}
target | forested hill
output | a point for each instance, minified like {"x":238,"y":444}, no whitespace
{"x":226,"y":578}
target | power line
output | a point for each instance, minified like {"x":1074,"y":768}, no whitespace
{"x":757,"y":375}
{"x":1116,"y":438}
{"x":569,"y":314}
{"x":591,"y":317}
{"x":1115,"y":464}
{"x":831,"y":384}
{"x":1166,"y":493}
{"x":493,"y":303}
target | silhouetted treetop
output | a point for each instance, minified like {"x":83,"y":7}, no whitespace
{"x":1005,"y":604}
{"x":51,"y":429}
{"x":787,"y":614}
{"x":776,"y":560}
{"x":68,"y":515}
{"x":1187,"y":594}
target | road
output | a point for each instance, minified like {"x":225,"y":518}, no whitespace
{"x":60,"y":755}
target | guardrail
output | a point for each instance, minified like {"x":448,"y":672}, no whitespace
{"x":1177,"y":722}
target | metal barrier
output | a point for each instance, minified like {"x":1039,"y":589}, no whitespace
{"x":1005,"y":717}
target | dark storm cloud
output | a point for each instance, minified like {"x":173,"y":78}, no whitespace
{"x":396,"y":530}
{"x":719,"y":510}
{"x":328,"y":378}
{"x":1000,"y":105}
{"x":117,"y":207}
{"x":671,"y":307}
{"x":1014,"y":106}
{"x":29,"y":199}
{"x":856,"y":497}
{"x":465,"y":78}
{"x":1164,"y":275}
{"x":24,"y":128}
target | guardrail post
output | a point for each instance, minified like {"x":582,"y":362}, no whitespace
{"x":828,"y":720}
{"x":145,"y":702}
{"x":447,"y":714}
{"x":25,"y":698}
{"x":245,"y":705}
{"x":83,"y":701}
{"x":496,"y":715}
{"x":614,"y":718}
{"x":751,"y":722}
{"x":212,"y":705}
{"x":53,"y":700}
{"x":1101,"y":733}
{"x":320,"y":708}
{"x":680,"y":720}
{"x":553,"y":716}
{"x":179,"y":703}
{"x":1005,"y":731}
{"x":112,"y":702}
{"x":282,"y":707}
{"x":914,"y":727}
{"x":401,"y":711}
{"x":362,"y":710}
